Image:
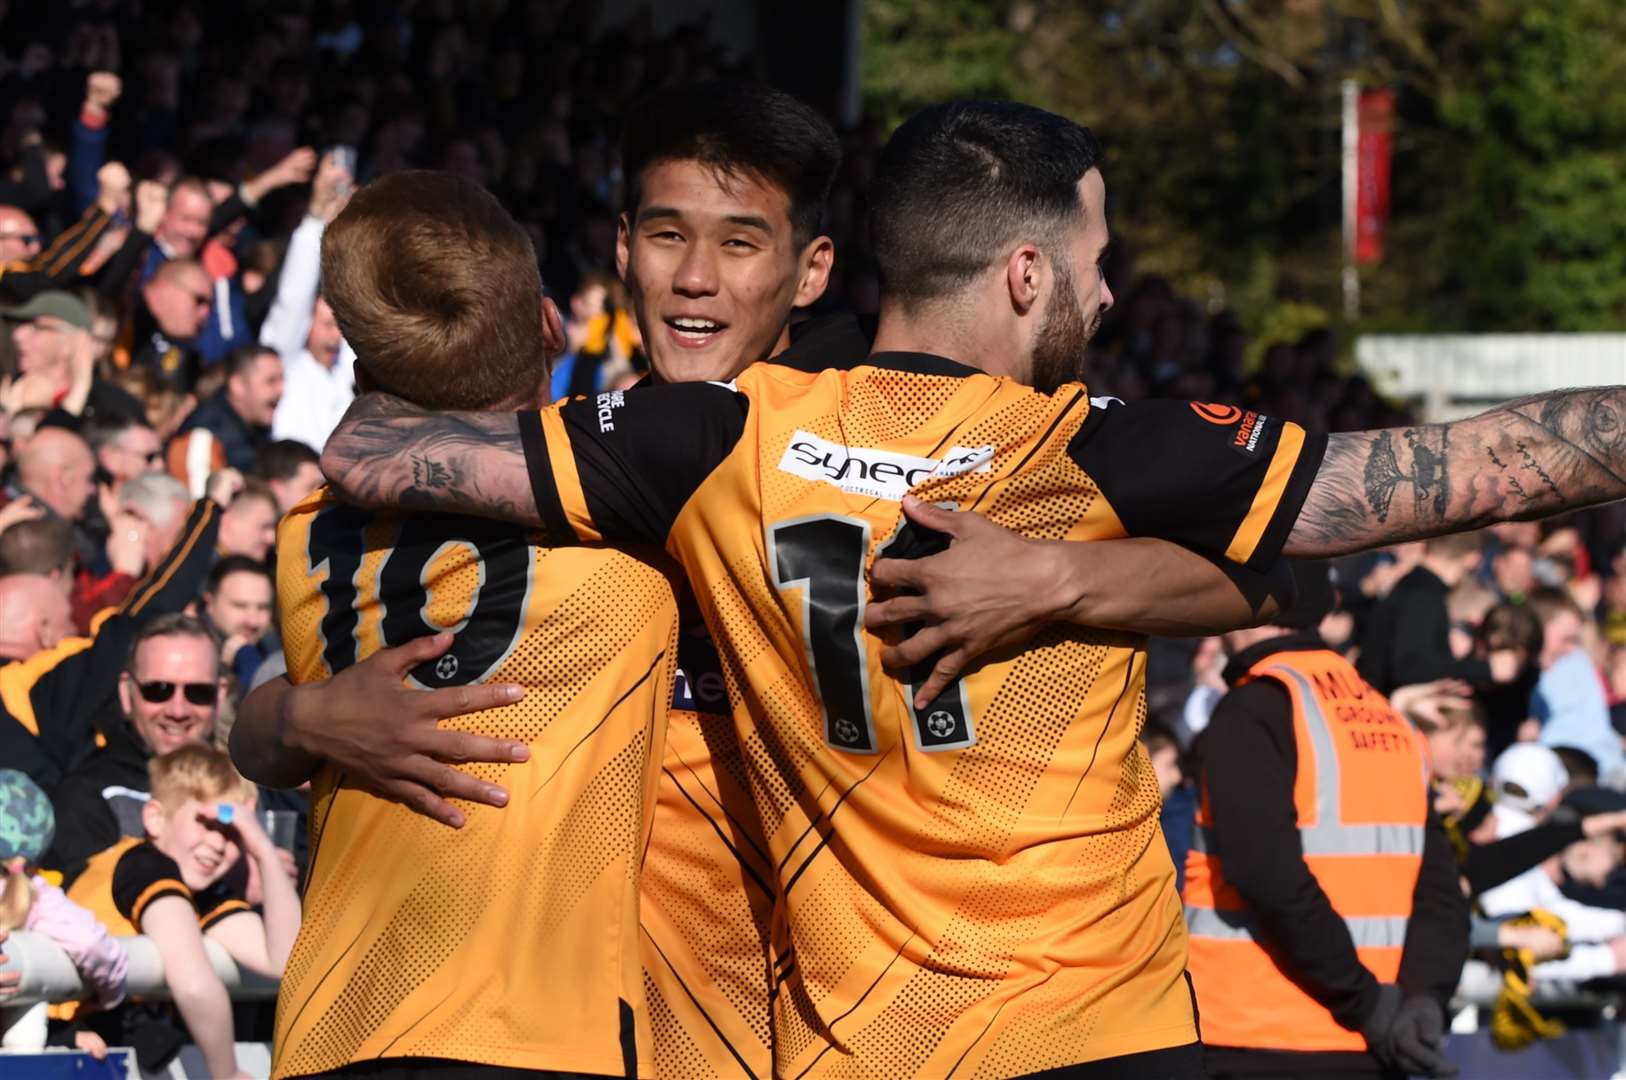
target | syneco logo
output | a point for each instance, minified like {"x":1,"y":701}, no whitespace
{"x":878,"y":474}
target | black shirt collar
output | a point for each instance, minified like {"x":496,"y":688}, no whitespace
{"x":1243,"y":662}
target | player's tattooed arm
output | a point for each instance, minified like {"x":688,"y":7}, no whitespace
{"x":1530,"y":458}
{"x":388,"y":454}
{"x":949,"y":609}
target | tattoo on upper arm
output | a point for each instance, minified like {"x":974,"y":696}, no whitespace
{"x":1530,"y":458}
{"x":387,"y":453}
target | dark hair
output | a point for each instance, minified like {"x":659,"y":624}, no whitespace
{"x":438,"y":290}
{"x":959,"y":184}
{"x":242,"y":358}
{"x":1582,"y":766}
{"x":104,"y":428}
{"x":39,"y":546}
{"x":1548,"y":603}
{"x":234,"y":564}
{"x":1510,"y":626}
{"x":735,"y":129}
{"x":174,"y":625}
{"x":281,"y":460}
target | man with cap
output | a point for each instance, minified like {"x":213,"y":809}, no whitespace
{"x":55,"y":351}
{"x":1327,"y":926}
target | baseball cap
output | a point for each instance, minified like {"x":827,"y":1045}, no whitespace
{"x":1528,"y":776}
{"x":27,"y":822}
{"x":55,"y":303}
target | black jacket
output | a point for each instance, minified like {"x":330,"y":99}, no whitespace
{"x":1247,"y":758}
{"x":99,"y":801}
{"x":240,"y":441}
{"x":1409,"y":639}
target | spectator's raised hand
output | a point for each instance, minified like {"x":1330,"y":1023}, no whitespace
{"x":223,"y":486}
{"x":102,"y":89}
{"x":296,"y":168}
{"x":22,"y":508}
{"x":1434,"y":705}
{"x":113,"y":188}
{"x":151,"y":198}
{"x":330,"y":189}
{"x":127,"y":544}
{"x":31,"y":391}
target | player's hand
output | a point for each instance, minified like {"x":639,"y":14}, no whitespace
{"x":963,"y":608}
{"x":386,"y":736}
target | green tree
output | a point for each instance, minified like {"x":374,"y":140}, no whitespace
{"x":1221,"y":120}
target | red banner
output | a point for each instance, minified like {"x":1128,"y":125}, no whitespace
{"x":1377,"y":113}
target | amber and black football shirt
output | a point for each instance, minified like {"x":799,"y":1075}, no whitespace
{"x":706,"y":889}
{"x":978,"y":886}
{"x":515,"y":940}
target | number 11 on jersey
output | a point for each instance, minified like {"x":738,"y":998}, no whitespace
{"x":822,"y":557}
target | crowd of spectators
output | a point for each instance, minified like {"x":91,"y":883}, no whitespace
{"x":169,"y":371}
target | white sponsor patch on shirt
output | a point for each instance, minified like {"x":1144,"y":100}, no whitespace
{"x":878,"y":474}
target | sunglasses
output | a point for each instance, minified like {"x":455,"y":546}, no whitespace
{"x":197,"y":693}
{"x":28,"y":239}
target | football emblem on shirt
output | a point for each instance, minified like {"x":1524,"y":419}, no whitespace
{"x":846,"y":730}
{"x":446,"y":666}
{"x":941,"y":724}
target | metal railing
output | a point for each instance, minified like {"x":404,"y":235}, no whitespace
{"x":48,"y":974}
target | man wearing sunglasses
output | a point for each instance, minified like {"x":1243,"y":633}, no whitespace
{"x":161,"y":333}
{"x":170,"y":693}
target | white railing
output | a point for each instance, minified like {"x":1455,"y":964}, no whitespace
{"x":48,"y":974}
{"x":1453,"y":375}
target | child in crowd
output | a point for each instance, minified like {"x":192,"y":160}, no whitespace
{"x":29,"y":902}
{"x":187,"y":881}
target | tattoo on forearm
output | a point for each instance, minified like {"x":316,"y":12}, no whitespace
{"x":388,"y":453}
{"x":1530,"y":458}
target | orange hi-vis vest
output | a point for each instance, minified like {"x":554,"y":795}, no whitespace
{"x":1361,"y":796}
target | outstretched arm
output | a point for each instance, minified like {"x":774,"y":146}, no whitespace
{"x":1530,"y":458}
{"x":388,"y":454}
{"x":954,"y":608}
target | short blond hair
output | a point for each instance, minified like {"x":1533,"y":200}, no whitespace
{"x":196,"y":772}
{"x":438,"y":290}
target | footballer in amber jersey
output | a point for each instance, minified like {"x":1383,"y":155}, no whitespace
{"x":706,"y":892}
{"x":978,"y":886}
{"x":513,"y":941}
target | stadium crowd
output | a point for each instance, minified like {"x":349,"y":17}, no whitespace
{"x":171,"y":372}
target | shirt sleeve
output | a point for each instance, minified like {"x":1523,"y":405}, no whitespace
{"x":1215,"y":478}
{"x":142,"y":875}
{"x":224,"y":898}
{"x":619,"y":467}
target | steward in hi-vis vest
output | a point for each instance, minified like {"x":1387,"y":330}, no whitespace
{"x":1327,"y":926}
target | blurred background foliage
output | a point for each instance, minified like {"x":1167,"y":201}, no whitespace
{"x":1221,"y":120}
